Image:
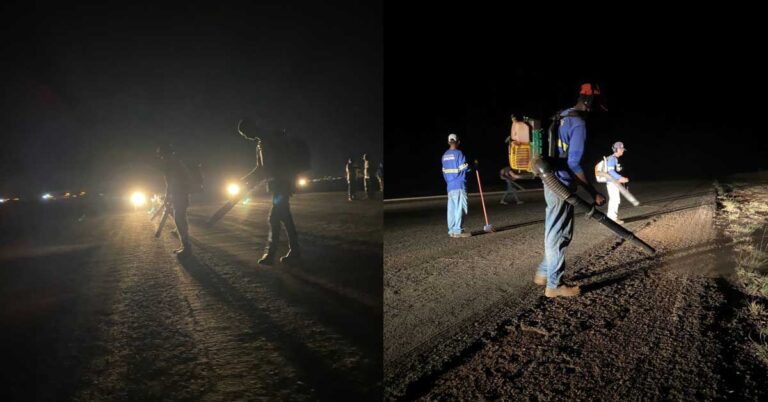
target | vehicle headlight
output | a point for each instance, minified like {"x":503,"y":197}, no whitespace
{"x":138,"y":199}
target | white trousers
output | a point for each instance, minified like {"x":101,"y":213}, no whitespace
{"x":614,"y":199}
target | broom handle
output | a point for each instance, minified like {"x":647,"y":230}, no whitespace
{"x":482,"y":200}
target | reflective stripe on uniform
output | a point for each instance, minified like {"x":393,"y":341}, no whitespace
{"x":562,"y":145}
{"x":456,"y":170}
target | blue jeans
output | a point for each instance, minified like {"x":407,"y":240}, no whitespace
{"x":558,"y":232}
{"x":281,"y":214}
{"x":457,"y":208}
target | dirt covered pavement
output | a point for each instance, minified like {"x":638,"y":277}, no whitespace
{"x":662,"y":327}
{"x":97,"y":309}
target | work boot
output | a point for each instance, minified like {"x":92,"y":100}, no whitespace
{"x":462,"y":234}
{"x":186,"y":252}
{"x":565,"y":291}
{"x":540,"y":280}
{"x":291,"y":258}
{"x":503,"y":202}
{"x":267,"y":259}
{"x":183,"y":251}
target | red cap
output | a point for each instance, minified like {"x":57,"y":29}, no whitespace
{"x":587,"y":89}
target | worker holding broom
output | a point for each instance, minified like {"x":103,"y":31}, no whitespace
{"x":455,"y":168}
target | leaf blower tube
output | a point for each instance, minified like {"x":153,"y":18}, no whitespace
{"x":544,"y":170}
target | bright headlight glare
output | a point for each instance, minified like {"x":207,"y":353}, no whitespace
{"x":138,"y":199}
{"x":233,"y":189}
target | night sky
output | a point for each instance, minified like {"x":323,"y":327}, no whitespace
{"x":687,"y":100}
{"x":88,"y":91}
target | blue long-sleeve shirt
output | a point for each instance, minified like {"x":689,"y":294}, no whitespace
{"x":455,"y":169}
{"x":613,"y":167}
{"x":572,"y":135}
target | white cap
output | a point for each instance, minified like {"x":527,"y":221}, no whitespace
{"x":453,"y":137}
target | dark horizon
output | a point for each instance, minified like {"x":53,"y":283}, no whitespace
{"x":682,"y":109}
{"x":90,"y":91}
